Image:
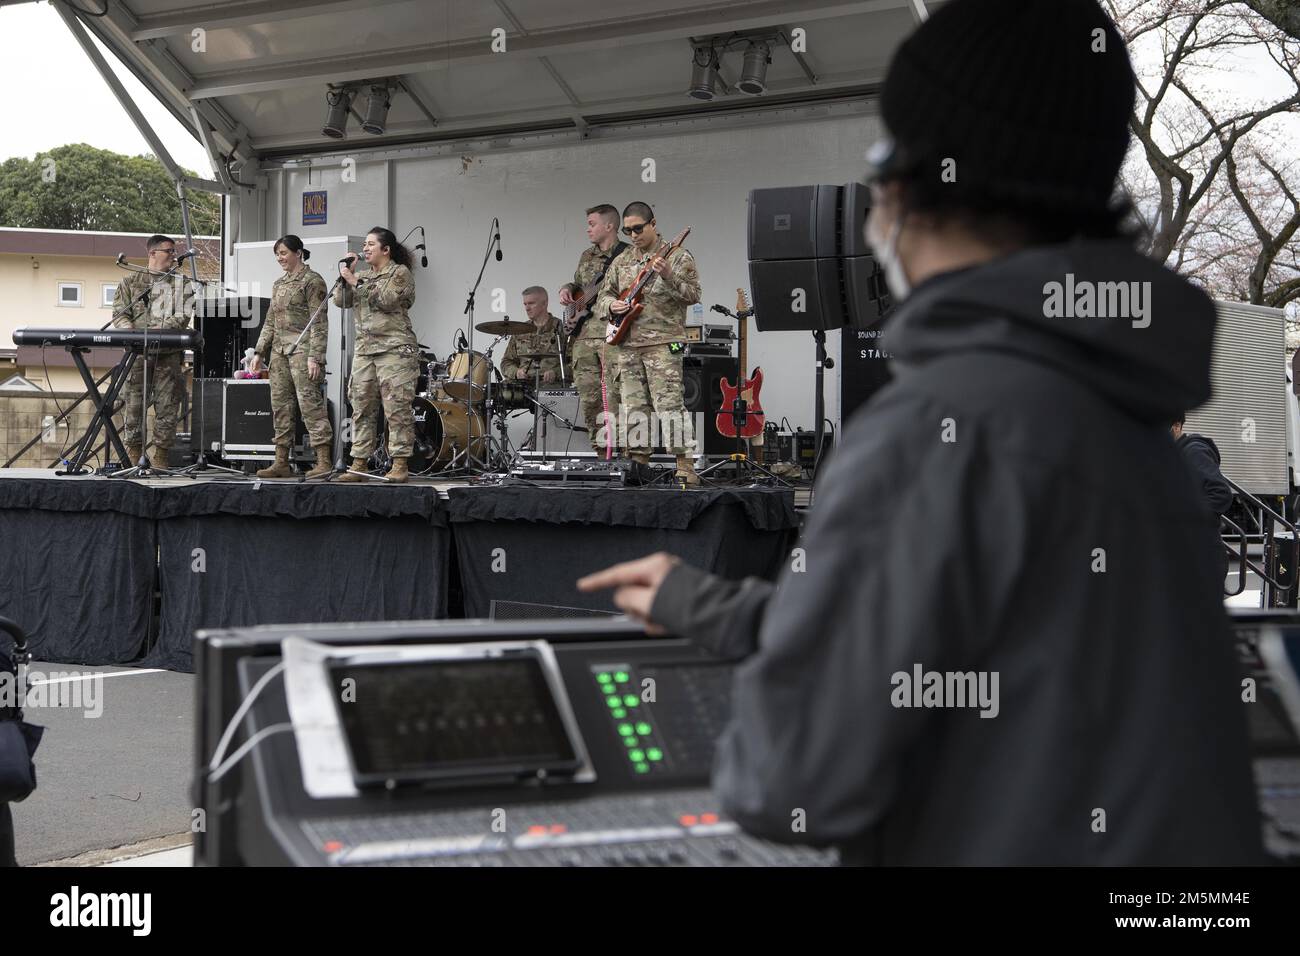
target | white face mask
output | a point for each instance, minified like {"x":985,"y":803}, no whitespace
{"x":886,"y":252}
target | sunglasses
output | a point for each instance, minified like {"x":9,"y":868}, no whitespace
{"x":635,"y":230}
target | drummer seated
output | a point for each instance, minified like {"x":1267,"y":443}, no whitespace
{"x":531,"y":352}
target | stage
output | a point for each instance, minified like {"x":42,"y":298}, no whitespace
{"x":115,"y":571}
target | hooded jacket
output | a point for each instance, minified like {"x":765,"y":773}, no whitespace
{"x":1202,"y":456}
{"x":1003,"y":642}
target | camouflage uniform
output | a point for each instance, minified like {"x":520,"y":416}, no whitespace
{"x":168,"y":305}
{"x":542,"y":340}
{"x":295,"y":299}
{"x":387,"y":358}
{"x":650,"y":374}
{"x":589,"y":355}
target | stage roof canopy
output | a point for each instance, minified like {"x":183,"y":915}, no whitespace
{"x":254,"y":74}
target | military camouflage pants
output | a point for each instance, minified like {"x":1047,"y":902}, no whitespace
{"x":388,"y":379}
{"x":586,"y":378}
{"x":651,"y":384}
{"x":166,"y":384}
{"x":292,"y":390}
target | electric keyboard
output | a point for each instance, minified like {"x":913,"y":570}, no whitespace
{"x":135,"y":339}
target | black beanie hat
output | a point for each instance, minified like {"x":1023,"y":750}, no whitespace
{"x":1030,"y":98}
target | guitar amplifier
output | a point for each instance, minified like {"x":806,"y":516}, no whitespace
{"x":247,"y":423}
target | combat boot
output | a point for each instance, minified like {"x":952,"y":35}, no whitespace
{"x":358,"y":464}
{"x":281,"y":467}
{"x":324,"y":465}
{"x":161,"y":455}
{"x":133,"y":453}
{"x":398,"y":473}
{"x":686,"y":472}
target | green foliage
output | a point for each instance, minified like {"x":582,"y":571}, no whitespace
{"x":81,"y":187}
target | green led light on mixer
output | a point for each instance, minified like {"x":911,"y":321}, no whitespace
{"x":613,"y":701}
{"x":619,"y":713}
{"x":603,"y":677}
{"x":642,"y":768}
{"x":654,"y":753}
{"x":625,"y":730}
{"x":630,"y":741}
{"x":643,"y":728}
{"x":636,"y":756}
{"x":621,"y":677}
{"x":630,"y":700}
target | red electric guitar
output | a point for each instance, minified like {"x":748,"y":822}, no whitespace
{"x":748,"y":388}
{"x":632,"y":294}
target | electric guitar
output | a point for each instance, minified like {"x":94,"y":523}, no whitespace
{"x":747,"y":389}
{"x":621,"y":325}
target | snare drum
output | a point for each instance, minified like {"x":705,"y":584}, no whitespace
{"x":466,"y":383}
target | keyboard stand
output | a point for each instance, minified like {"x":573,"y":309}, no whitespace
{"x":104,"y":404}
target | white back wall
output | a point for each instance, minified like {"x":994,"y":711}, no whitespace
{"x":701,"y":179}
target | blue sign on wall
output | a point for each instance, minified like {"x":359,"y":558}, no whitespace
{"x":315,"y":208}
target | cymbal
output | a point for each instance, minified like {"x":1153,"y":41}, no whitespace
{"x":505,"y":327}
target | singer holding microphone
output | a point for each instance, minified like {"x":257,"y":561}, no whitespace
{"x":296,"y":379}
{"x":154,"y":300}
{"x":386,"y":356}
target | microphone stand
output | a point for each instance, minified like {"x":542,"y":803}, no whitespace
{"x":472,"y":463}
{"x":201,"y":464}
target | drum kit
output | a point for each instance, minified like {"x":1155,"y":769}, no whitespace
{"x":457,"y":401}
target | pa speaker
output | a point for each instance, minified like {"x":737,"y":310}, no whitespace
{"x":794,"y":222}
{"x":866,"y":293}
{"x":797,"y":295}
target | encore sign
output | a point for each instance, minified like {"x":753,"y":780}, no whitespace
{"x":314,"y":208}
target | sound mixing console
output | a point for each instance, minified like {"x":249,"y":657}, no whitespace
{"x":586,"y":754}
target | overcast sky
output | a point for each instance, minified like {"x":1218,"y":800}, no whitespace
{"x":56,"y":96}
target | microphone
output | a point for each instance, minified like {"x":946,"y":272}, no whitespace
{"x":186,"y":255}
{"x":720,"y":308}
{"x":347,"y":261}
{"x":497,"y":237}
{"x":424,"y":259}
{"x":462,"y":343}
{"x":121,"y":258}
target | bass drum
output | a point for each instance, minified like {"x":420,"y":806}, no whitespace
{"x":466,"y":381}
{"x":443,"y":430}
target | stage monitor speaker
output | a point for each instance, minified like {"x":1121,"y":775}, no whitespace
{"x":794,"y":222}
{"x":797,"y":295}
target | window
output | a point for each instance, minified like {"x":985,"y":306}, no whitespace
{"x":70,"y":295}
{"x":108,"y":290}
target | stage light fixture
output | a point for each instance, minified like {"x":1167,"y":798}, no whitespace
{"x":340,"y":104}
{"x":704,"y":66}
{"x":753,"y":77}
{"x":377,"y":110}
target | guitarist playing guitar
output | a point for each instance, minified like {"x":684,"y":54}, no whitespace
{"x":643,"y":303}
{"x":593,"y":375}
